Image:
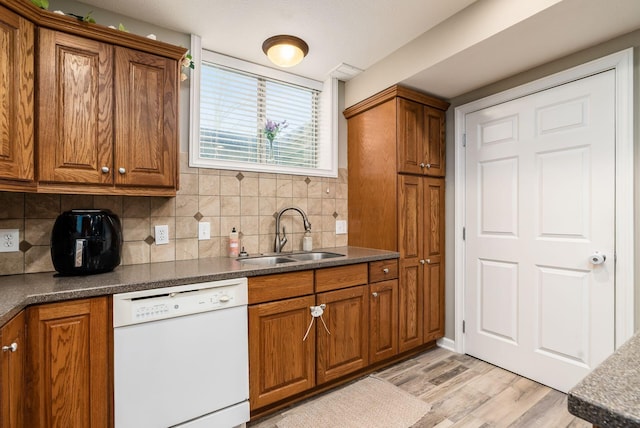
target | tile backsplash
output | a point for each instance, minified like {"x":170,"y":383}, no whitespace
{"x":245,"y":200}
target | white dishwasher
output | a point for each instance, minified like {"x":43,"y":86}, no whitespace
{"x":181,"y":356}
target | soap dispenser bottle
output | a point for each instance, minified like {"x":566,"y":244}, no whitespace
{"x":307,"y":241}
{"x":234,"y":243}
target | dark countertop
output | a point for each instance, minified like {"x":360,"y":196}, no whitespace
{"x":610,"y":395}
{"x":19,"y":291}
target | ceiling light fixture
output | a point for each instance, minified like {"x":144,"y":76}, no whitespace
{"x":284,"y":50}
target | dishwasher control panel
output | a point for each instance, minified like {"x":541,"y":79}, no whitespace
{"x":169,"y":302}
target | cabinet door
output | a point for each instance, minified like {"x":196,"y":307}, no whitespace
{"x":16,"y":97}
{"x":146,"y":119}
{"x":434,"y":141}
{"x":410,"y":242}
{"x":383,"y":321}
{"x":281,"y":363}
{"x":345,"y":350}
{"x":410,"y":135}
{"x":69,"y":376}
{"x":12,"y":357}
{"x":434,"y":257}
{"x":75,"y":132}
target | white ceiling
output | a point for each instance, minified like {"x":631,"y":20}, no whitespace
{"x":355,"y":32}
{"x":366,"y":33}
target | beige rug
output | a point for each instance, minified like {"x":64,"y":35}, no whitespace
{"x":370,"y":402}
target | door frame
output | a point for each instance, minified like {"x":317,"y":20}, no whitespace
{"x":622,"y":63}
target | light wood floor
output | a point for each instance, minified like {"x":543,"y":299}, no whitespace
{"x":467,"y":392}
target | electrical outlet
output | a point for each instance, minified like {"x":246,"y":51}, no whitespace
{"x":162,"y":234}
{"x":204,"y":230}
{"x":9,"y":240}
{"x":341,"y":227}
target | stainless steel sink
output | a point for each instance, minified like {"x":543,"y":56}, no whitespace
{"x":276,"y":259}
{"x":266,"y":260}
{"x":319,"y":255}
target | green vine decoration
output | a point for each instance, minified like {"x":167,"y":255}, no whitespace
{"x":42,"y":4}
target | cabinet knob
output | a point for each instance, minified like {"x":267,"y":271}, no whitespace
{"x":422,"y":262}
{"x":121,"y":170}
{"x":428,"y":165}
{"x":428,"y":261}
{"x":105,"y":169}
{"x":13,"y":347}
{"x":374,"y":294}
{"x":385,"y":270}
{"x":422,"y":165}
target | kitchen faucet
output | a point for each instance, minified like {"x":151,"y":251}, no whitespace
{"x":280,"y":242}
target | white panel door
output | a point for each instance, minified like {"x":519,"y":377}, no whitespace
{"x":539,"y":203}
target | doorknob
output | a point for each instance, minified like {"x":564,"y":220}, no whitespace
{"x":597,"y":258}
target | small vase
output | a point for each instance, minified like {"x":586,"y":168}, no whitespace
{"x":270,"y":154}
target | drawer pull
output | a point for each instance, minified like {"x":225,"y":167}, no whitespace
{"x":374,"y":294}
{"x":385,"y":270}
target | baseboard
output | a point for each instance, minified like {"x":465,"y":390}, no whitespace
{"x":447,"y":344}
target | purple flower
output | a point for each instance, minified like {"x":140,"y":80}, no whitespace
{"x":272,"y":128}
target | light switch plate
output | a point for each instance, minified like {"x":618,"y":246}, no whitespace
{"x":341,"y":227}
{"x":9,"y":240}
{"x":162,"y":234}
{"x":204,"y":230}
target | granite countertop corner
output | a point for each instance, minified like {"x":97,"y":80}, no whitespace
{"x":610,"y":395}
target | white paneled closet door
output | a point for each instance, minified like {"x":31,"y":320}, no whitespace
{"x":540,"y":198}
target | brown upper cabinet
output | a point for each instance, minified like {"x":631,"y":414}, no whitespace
{"x":106,"y":128}
{"x":16,"y":101}
{"x":146,"y":118}
{"x":421,"y":146}
{"x":75,"y":79}
{"x":106,"y":108}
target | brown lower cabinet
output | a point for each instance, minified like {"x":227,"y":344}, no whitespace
{"x":383,"y":319}
{"x":68,"y":371}
{"x":344,"y":348}
{"x":360,"y":312}
{"x":281,"y":363}
{"x":12,"y":358}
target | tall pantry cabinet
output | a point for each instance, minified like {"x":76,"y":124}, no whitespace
{"x":396,"y":150}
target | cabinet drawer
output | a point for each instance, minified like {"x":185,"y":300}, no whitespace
{"x":280,"y":286}
{"x":383,"y":270}
{"x":341,"y":277}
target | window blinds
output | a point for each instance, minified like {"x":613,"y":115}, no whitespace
{"x":234,"y":109}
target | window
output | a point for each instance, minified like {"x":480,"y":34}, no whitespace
{"x":238,"y":99}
